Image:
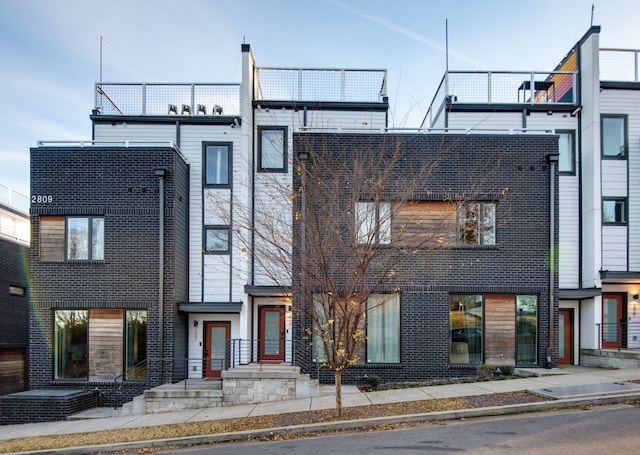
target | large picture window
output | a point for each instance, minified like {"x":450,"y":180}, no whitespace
{"x":383,"y":328}
{"x":614,"y":136}
{"x":70,"y":344}
{"x":477,"y":223}
{"x":85,"y":238}
{"x":272,"y":148}
{"x":526,"y":329}
{"x":217,"y":164}
{"x":373,"y":223}
{"x":465,"y":328}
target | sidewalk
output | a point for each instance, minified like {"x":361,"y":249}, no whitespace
{"x":567,"y":383}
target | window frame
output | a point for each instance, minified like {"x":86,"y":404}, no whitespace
{"x":473,"y":356}
{"x":625,"y":138}
{"x":572,"y":136}
{"x":285,"y":152}
{"x":625,"y":212}
{"x":90,"y":239}
{"x":480,"y":224}
{"x":130,"y":370}
{"x":383,"y":232}
{"x":205,"y":182}
{"x":219,"y":228}
{"x":59,"y":365}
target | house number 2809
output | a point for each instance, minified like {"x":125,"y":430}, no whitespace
{"x":41,"y":199}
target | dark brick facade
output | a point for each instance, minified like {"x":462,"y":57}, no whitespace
{"x":515,"y":265}
{"x":13,"y":308}
{"x":118,"y":183}
{"x":28,"y":407}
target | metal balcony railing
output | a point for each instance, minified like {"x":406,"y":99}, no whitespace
{"x":326,"y":85}
{"x":619,"y":65}
{"x":501,"y":87}
{"x":183,"y":99}
{"x":620,"y":336}
{"x":14,"y":199}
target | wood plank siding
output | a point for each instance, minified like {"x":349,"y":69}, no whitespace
{"x":500,"y":328}
{"x":106,"y":344}
{"x":424,"y":223}
{"x":52,"y":238}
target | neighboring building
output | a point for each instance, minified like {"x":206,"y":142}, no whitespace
{"x":14,"y":289}
{"x":591,"y":101}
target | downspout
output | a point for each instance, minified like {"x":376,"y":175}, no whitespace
{"x":553,"y":161}
{"x":160,"y":173}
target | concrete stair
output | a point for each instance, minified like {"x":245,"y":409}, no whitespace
{"x":253,"y":383}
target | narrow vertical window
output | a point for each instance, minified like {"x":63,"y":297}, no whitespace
{"x":217,"y":164}
{"x":614,"y":136}
{"x":136,"y":344}
{"x":272,"y":148}
{"x":383,"y":328}
{"x":526,"y":329}
{"x":70,"y":344}
{"x":567,"y":152}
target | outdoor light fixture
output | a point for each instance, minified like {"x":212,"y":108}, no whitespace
{"x":634,"y":302}
{"x":195,"y":323}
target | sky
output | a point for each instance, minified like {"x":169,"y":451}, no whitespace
{"x":52,"y":57}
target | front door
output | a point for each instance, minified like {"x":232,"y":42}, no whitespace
{"x":271,"y":328}
{"x":612,"y":316}
{"x":565,"y":337}
{"x":216,"y":354}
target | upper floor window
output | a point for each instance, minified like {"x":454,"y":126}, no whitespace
{"x":71,"y":238}
{"x":477,"y":223}
{"x":217,"y":164}
{"x":567,"y":151}
{"x":272,"y":148}
{"x":614,"y":211}
{"x":216,"y":240}
{"x":614,"y":136}
{"x":373,"y":223}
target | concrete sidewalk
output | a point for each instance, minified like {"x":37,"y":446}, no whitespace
{"x":568,"y":382}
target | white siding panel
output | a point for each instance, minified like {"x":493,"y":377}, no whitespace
{"x":492,"y":121}
{"x":569,"y":229}
{"x":139,"y":132}
{"x":614,"y":178}
{"x":216,"y":283}
{"x":628,"y":102}
{"x":347,"y":120}
{"x":614,"y":248}
{"x":216,"y":207}
{"x":556,"y":121}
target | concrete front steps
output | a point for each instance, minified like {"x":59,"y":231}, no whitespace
{"x":254,"y":383}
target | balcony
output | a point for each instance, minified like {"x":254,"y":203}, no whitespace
{"x":619,"y":65}
{"x":11,"y":198}
{"x":321,"y":85}
{"x":184,"y":99}
{"x":502,"y":88}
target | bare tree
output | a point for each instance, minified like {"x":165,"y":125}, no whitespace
{"x":340,"y":231}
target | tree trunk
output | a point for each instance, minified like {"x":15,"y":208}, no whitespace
{"x":338,"y":383}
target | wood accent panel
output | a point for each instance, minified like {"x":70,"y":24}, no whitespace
{"x":106,"y":344}
{"x":425,"y":223}
{"x":52,"y":238}
{"x":500,"y":329}
{"x":12,"y":370}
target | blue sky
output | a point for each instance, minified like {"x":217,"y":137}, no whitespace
{"x":50,"y":49}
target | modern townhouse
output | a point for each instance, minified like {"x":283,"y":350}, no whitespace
{"x":150,"y":262}
{"x":14,"y":289}
{"x":590,"y":100}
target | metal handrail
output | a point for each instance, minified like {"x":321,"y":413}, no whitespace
{"x":117,"y":391}
{"x":627,"y":335}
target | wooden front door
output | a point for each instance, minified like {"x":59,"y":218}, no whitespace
{"x":271,"y":333}
{"x":612,"y":316}
{"x":565,"y":337}
{"x":216,"y":353}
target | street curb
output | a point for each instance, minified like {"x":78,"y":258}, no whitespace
{"x":345,"y":425}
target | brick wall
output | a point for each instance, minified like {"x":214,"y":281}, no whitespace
{"x":481,"y":165}
{"x":119,"y":184}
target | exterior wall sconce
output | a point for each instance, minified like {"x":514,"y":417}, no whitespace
{"x":195,"y":323}
{"x":635,"y":302}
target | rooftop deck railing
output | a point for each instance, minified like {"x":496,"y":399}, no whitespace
{"x":191,"y":99}
{"x":14,"y":199}
{"x":619,"y":65}
{"x":326,"y":85}
{"x":502,"y":87}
